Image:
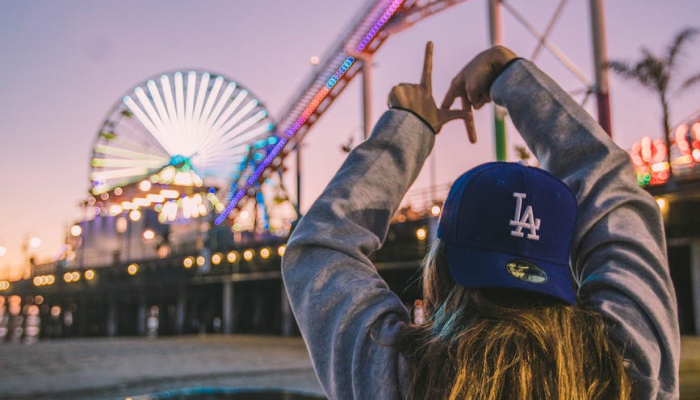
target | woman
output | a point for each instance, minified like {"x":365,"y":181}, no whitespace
{"x":485,"y":338}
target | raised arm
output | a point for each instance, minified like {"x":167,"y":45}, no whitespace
{"x":619,"y":249}
{"x":345,"y":311}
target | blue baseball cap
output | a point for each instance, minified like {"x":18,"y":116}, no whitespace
{"x":505,"y":225}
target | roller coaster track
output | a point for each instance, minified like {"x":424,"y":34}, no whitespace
{"x":366,"y":33}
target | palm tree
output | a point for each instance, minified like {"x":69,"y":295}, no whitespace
{"x":655,"y":73}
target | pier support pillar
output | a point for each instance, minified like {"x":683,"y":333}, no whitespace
{"x":141,"y":318}
{"x":227,"y":308}
{"x":287,"y":315}
{"x":180,"y":311}
{"x":695,"y":281}
{"x":82,"y":317}
{"x":112,"y":317}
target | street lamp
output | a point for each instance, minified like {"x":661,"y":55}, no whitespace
{"x":148,"y":234}
{"x":3,"y":251}
{"x":121,"y":225}
{"x":76,"y":230}
{"x":34,"y":242}
{"x":135,"y":215}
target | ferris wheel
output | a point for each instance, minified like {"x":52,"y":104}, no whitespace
{"x":178,"y":141}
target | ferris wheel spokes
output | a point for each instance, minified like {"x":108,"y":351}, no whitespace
{"x":170,"y":103}
{"x":229,"y":110}
{"x":186,"y":130}
{"x":120,"y":173}
{"x":155,"y":95}
{"x":237,"y":135}
{"x":131,"y":154}
{"x":207,"y":127}
{"x":216,"y":139}
{"x":146,"y":122}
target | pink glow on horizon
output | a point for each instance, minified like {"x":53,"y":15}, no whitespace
{"x":66,"y":63}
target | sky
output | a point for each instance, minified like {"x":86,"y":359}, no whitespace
{"x":64,"y":64}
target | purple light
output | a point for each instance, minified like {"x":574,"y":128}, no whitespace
{"x":230,"y":207}
{"x":283,"y":141}
{"x":266,"y":162}
{"x":378,"y":25}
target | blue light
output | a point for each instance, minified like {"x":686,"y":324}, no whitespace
{"x":281,"y":142}
{"x":261,"y":202}
{"x":334,"y":79}
{"x":177,"y":159}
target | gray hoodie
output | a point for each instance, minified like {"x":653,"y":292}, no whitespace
{"x":346,"y":312}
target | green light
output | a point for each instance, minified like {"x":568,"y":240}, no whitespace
{"x":108,"y":135}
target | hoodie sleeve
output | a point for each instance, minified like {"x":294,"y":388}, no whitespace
{"x":619,"y":248}
{"x":345,"y":311}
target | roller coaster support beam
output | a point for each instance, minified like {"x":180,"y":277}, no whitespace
{"x":297,"y":152}
{"x":600,"y":58}
{"x":499,"y":114}
{"x":367,"y":94}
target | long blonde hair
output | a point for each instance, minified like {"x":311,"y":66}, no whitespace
{"x":497,"y":344}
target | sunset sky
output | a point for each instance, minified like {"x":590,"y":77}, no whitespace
{"x":64,"y":64}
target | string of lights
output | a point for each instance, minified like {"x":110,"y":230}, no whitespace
{"x":385,"y":11}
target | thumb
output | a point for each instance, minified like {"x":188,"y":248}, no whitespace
{"x":453,"y":92}
{"x":445,"y":116}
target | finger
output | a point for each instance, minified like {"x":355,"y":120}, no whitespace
{"x":445,"y":116}
{"x":479,"y":94}
{"x":478,"y":101}
{"x":426,"y":79}
{"x":450,"y":97}
{"x":469,"y":119}
{"x":455,"y":90}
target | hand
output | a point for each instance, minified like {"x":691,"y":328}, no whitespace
{"x":418,"y":99}
{"x":473,"y":83}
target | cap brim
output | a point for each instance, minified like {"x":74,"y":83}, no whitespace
{"x":484,"y":269}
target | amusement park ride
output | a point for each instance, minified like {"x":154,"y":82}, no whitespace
{"x":200,"y":152}
{"x":187,"y":198}
{"x":192,"y":144}
{"x":197,"y":145}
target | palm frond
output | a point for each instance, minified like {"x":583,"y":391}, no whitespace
{"x":676,"y":47}
{"x":651,"y":71}
{"x":687,"y":84}
{"x":622,"y":68}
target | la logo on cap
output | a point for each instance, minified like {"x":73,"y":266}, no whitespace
{"x":527,"y":220}
{"x":491,"y":230}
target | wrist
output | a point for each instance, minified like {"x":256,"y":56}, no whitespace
{"x":417,"y":115}
{"x":508,"y":64}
